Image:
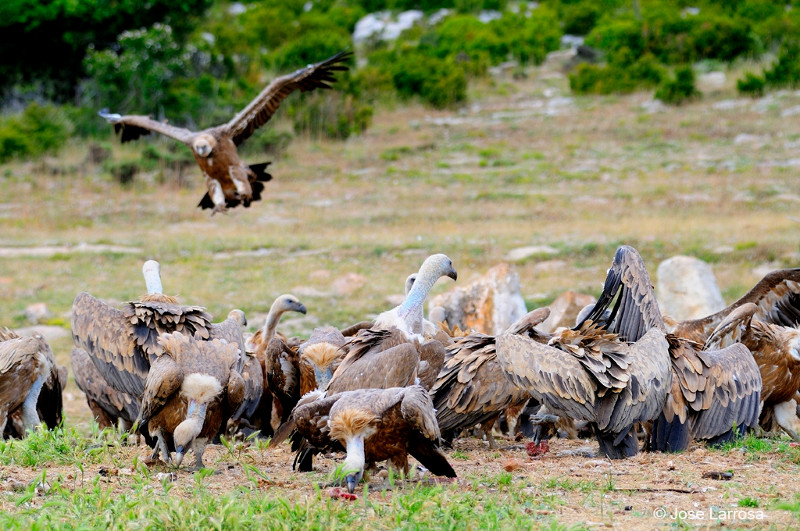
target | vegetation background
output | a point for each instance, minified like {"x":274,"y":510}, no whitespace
{"x":476,"y":132}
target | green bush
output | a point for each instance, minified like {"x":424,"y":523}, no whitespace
{"x":751,"y":85}
{"x":334,"y":115}
{"x":580,"y":18}
{"x":785,"y":72}
{"x":616,"y":77}
{"x":439,"y":82}
{"x":38,"y":129}
{"x":680,"y":89}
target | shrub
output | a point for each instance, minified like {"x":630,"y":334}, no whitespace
{"x":38,"y":129}
{"x":751,"y":85}
{"x":580,"y":18}
{"x":616,"y":77}
{"x":785,"y":72}
{"x":439,"y":82}
{"x":680,"y":89}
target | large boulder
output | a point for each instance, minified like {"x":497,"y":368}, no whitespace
{"x":687,"y":288}
{"x":564,"y":310}
{"x":488,"y":305}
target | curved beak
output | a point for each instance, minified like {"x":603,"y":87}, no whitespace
{"x":301,"y":308}
{"x":351,"y":482}
{"x":452,"y":274}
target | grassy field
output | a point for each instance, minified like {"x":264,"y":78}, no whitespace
{"x":343,"y":224}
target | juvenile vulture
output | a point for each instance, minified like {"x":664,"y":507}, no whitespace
{"x":191,"y":389}
{"x":230,"y":181}
{"x":374,"y":425}
{"x":713,"y":395}
{"x":766,"y":320}
{"x":394,"y":353}
{"x":30,"y":384}
{"x":471,"y":388}
{"x":278,"y":358}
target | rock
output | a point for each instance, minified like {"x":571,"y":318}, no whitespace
{"x":488,"y":305}
{"x":37,"y":312}
{"x":687,"y":288}
{"x":564,"y":310}
{"x":522,"y":253}
{"x":49,"y":333}
{"x":348,"y":283}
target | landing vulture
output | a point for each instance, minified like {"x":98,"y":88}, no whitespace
{"x":714,"y":395}
{"x":230,"y":181}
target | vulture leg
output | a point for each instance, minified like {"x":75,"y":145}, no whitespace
{"x":486,"y":428}
{"x":785,"y":415}
{"x":217,"y":195}
{"x":161,"y":447}
{"x":199,"y":447}
{"x":30,"y":417}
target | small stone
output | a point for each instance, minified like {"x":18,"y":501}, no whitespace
{"x":37,"y":312}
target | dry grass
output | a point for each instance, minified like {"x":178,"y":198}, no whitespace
{"x":525,"y":164}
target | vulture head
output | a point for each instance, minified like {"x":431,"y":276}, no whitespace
{"x":323,"y":358}
{"x":204,"y":145}
{"x":287,"y":303}
{"x":198,"y":390}
{"x":238,"y":316}
{"x":352,"y":427}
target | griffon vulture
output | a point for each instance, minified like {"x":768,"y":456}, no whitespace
{"x":713,"y":394}
{"x":320,"y":356}
{"x":394,"y":352}
{"x":277,"y":356}
{"x":230,"y":181}
{"x":766,"y":320}
{"x":192,"y":386}
{"x":374,"y":425}
{"x":471,"y":388}
{"x":30,"y":384}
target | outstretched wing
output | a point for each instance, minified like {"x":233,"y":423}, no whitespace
{"x":105,"y":333}
{"x":636,"y":309}
{"x":777,"y":301}
{"x":131,"y":127}
{"x":260,"y":110}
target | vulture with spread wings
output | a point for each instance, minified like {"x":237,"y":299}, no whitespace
{"x":230,"y":181}
{"x":714,"y":394}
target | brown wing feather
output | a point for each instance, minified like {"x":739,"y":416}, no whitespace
{"x":377,"y":369}
{"x":131,"y":127}
{"x":112,"y":404}
{"x":260,"y":110}
{"x":20,"y":366}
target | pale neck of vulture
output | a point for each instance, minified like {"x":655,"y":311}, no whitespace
{"x":283,"y":304}
{"x":432,"y":268}
{"x":199,"y":390}
{"x":30,"y":417}
{"x":152,"y":277}
{"x":353,"y":466}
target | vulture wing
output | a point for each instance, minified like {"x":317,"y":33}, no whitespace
{"x":105,"y":333}
{"x":131,"y":127}
{"x":776,"y":296}
{"x":260,"y":110}
{"x":636,"y":309}
{"x":21,"y":363}
{"x":107,"y":404}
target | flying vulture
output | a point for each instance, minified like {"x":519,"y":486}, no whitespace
{"x":713,"y":395}
{"x":374,"y":425}
{"x":230,"y":181}
{"x":471,"y":387}
{"x":30,"y":384}
{"x":191,"y":389}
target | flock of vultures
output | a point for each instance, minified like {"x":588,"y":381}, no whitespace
{"x":402,"y":383}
